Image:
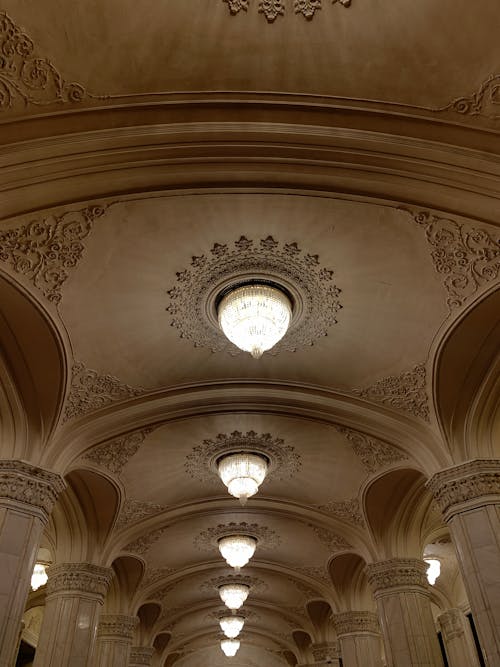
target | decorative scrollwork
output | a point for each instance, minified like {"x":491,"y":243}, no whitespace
{"x":272,"y":9}
{"x":26,"y":77}
{"x":346,"y":510}
{"x":483,"y":102}
{"x":332,"y":541}
{"x":114,"y":456}
{"x":374,"y":453}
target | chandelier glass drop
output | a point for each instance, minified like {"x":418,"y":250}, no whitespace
{"x":230,"y":647}
{"x":242,"y":473}
{"x":231,"y":626}
{"x":237,"y":549}
{"x":234,"y":595}
{"x":255,"y":317}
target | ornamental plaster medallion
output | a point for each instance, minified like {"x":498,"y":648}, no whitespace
{"x":272,"y":9}
{"x":208,"y":539}
{"x":26,"y":77}
{"x":374,"y":453}
{"x":284,"y":461}
{"x":406,"y":391}
{"x":193,"y":299}
{"x":346,"y":510}
{"x":115,"y":454}
{"x":256,"y":585}
{"x":45,"y":251}
{"x":467,"y":257}
{"x":91,"y":391}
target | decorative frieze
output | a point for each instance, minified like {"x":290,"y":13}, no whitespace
{"x":32,"y":487}
{"x":373,"y":453}
{"x":467,"y":257}
{"x":451,"y":623}
{"x":326,"y":651}
{"x":91,"y":391}
{"x":346,"y":510}
{"x":272,"y":9}
{"x":78,"y":578}
{"x":208,"y":539}
{"x":45,"y":251}
{"x":356,"y":622}
{"x":28,"y":78}
{"x":117,"y":626}
{"x":465,"y":486}
{"x":406,"y":391}
{"x":193,"y":299}
{"x":397,"y":573}
{"x":284,"y":461}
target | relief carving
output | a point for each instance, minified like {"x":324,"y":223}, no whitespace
{"x":23,"y":483}
{"x":272,"y":9}
{"x":117,"y":626}
{"x":451,"y":623}
{"x":397,"y":572}
{"x":157,"y":574}
{"x":143,"y":544}
{"x":332,"y":541}
{"x":81,"y":577}
{"x":356,"y":622}
{"x":467,"y":257}
{"x":374,"y":453}
{"x":115,"y":455}
{"x":134,"y":511}
{"x":45,"y":251}
{"x":209,"y":538}
{"x":255,"y":584}
{"x":315,"y":572}
{"x":484,"y":102}
{"x":346,"y":510}
{"x":326,"y":651}
{"x":91,"y":391}
{"x":141,"y":655}
{"x":406,"y":391}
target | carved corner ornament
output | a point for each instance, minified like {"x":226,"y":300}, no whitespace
{"x":345,"y":510}
{"x":115,"y":454}
{"x":143,"y":544}
{"x":91,"y":391}
{"x":467,"y":257}
{"x":28,"y":78}
{"x":332,"y":541}
{"x":272,"y":9}
{"x":483,"y":102}
{"x":373,"y":453}
{"x":406,"y":391}
{"x":45,"y":251}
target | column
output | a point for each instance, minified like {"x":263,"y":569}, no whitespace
{"x":27,"y":496}
{"x":402,"y":594}
{"x":140,"y":656}
{"x":360,"y":639}
{"x":327,"y":653}
{"x":75,"y":594}
{"x":115,"y":633}
{"x":457,"y":639}
{"x":469,"y":498}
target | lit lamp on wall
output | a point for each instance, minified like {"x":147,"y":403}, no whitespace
{"x":255,"y":316}
{"x":242,"y":473}
{"x":237,"y":549}
{"x":234,"y":595}
{"x":231,"y":626}
{"x":230,"y":647}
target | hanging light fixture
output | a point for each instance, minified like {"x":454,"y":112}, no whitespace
{"x":39,"y":577}
{"x":237,"y":549}
{"x":255,"y":316}
{"x":234,"y":595}
{"x":230,"y":647}
{"x":242,"y":473}
{"x":231,"y":626}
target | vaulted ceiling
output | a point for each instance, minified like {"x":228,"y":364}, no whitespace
{"x":150,"y":153}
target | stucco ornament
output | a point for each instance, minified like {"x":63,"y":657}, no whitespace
{"x":82,"y":577}
{"x":356,"y":622}
{"x":193,"y":299}
{"x":22,"y":483}
{"x":346,"y":510}
{"x":374,"y":453}
{"x":115,"y":454}
{"x":272,"y":9}
{"x":208,"y":539}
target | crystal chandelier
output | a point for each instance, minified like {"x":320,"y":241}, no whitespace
{"x":234,"y":595}
{"x":255,"y":317}
{"x":237,"y":549}
{"x":242,"y":473}
{"x":231,"y":626}
{"x":39,"y":576}
{"x":230,"y":647}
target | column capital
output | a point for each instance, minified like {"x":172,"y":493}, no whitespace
{"x":79,"y":578}
{"x":117,"y":626}
{"x":355,"y":623}
{"x":398,"y":573}
{"x":29,"y":488}
{"x":141,"y":655}
{"x":325,"y":651}
{"x":451,"y":623}
{"x":466,"y":486}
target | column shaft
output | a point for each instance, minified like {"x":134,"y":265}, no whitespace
{"x":115,"y":633}
{"x":27,"y":495}
{"x":75,"y":593}
{"x":401,"y":591}
{"x":360,"y":639}
{"x":469,"y":498}
{"x":141,"y":656}
{"x":457,"y":639}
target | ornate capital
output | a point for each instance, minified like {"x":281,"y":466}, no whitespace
{"x":141,"y":655}
{"x":117,"y":626}
{"x":326,"y":651}
{"x":398,"y":573}
{"x":79,"y":578}
{"x":356,"y":622}
{"x":451,"y":624}
{"x":466,"y":486}
{"x":33,"y":488}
